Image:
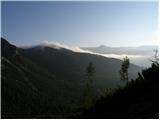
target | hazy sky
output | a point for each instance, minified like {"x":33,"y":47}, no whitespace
{"x":81,"y":23}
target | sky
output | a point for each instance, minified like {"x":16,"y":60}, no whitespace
{"x":80,"y":24}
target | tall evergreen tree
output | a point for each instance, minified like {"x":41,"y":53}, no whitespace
{"x":156,"y":58}
{"x":88,"y":92}
{"x":90,"y":70}
{"x":124,"y":69}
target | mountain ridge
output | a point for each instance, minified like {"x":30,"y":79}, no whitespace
{"x":122,"y":50}
{"x":38,"y":81}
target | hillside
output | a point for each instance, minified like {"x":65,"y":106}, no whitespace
{"x":21,"y":82}
{"x":43,"y":82}
{"x":138,"y":100}
{"x":71,"y":66}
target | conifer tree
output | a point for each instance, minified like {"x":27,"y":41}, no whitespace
{"x":88,"y":92}
{"x":124,"y":69}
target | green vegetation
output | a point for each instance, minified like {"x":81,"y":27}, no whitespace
{"x":88,"y":92}
{"x":124,"y":69}
{"x":43,"y":82}
{"x":138,"y":99}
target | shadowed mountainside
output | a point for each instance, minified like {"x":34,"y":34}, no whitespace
{"x":137,"y":100}
{"x":43,"y":82}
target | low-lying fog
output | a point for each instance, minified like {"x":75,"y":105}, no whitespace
{"x":140,"y":56}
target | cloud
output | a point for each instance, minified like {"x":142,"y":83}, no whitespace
{"x":58,"y":45}
{"x":121,"y":56}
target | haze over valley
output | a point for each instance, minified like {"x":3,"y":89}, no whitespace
{"x":140,"y":56}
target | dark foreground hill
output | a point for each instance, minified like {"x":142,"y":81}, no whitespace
{"x":44,"y":82}
{"x":138,"y":100}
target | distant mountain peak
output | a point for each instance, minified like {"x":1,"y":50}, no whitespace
{"x":102,"y":46}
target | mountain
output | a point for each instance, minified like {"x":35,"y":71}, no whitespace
{"x":137,"y":100}
{"x":24,"y":90}
{"x":140,"y":56}
{"x":44,"y":82}
{"x":141,"y":50}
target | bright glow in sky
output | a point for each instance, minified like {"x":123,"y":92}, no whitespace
{"x":81,"y":23}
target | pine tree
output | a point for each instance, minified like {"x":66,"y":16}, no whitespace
{"x":156,"y":58}
{"x":88,"y":92}
{"x":124,"y":69}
